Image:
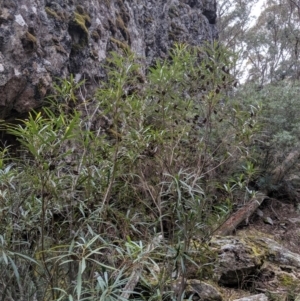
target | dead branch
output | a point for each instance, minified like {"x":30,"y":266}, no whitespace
{"x":241,"y":215}
{"x":246,"y":211}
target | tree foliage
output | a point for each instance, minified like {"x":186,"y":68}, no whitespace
{"x":273,"y":50}
{"x":268,"y":45}
{"x":269,"y":74}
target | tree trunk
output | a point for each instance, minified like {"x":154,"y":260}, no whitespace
{"x":280,"y":171}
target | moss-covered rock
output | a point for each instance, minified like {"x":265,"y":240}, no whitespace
{"x":257,"y":262}
{"x":275,"y":252}
{"x":82,"y":20}
{"x":238,"y":262}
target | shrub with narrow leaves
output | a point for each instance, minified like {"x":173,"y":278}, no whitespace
{"x":109,"y":192}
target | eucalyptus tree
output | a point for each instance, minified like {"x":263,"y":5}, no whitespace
{"x":273,"y":42}
{"x":266,"y":36}
{"x":235,"y":18}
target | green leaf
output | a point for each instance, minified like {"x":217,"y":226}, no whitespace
{"x":16,"y":272}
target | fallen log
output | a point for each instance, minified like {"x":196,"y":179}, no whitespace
{"x":241,"y":215}
{"x":244,"y":213}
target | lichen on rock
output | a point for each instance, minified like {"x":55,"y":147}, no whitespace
{"x":258,"y":262}
{"x":237,"y":261}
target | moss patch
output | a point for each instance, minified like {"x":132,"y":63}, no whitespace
{"x":94,"y":54}
{"x":288,"y":281}
{"x":96,"y":35}
{"x":122,"y":28}
{"x":30,"y":37}
{"x":258,"y":250}
{"x":61,"y":49}
{"x":120,"y":44}
{"x":111,"y":26}
{"x":29,"y":41}
{"x":78,"y":27}
{"x":120,"y":23}
{"x":82,"y":21}
{"x":50,"y":12}
{"x":56,"y":15}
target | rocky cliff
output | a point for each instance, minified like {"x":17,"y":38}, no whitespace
{"x":41,"y":40}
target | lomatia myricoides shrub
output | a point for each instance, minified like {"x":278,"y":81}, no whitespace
{"x":110,"y":191}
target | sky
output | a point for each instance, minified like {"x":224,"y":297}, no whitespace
{"x":257,"y":8}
